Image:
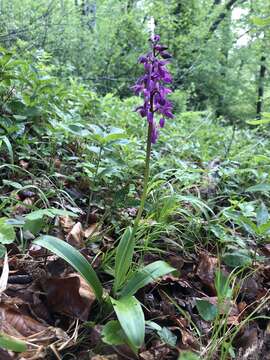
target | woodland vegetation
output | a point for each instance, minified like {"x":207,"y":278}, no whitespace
{"x":118,"y":242}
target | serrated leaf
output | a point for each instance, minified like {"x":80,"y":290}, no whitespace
{"x":145,"y":276}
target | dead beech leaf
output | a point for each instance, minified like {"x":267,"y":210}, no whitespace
{"x":90,"y":230}
{"x":68,"y":296}
{"x":37,"y":335}
{"x":66,"y":223}
{"x":85,"y":290}
{"x":14,"y":323}
{"x":206,"y":271}
{"x":75,"y":236}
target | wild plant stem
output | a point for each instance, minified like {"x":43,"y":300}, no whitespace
{"x":146,"y":171}
{"x":145,"y":181}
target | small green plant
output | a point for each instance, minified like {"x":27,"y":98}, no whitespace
{"x":130,"y":327}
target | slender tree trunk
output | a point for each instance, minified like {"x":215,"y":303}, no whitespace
{"x":261,"y":88}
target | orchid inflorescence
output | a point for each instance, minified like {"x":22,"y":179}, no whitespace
{"x":152,"y":86}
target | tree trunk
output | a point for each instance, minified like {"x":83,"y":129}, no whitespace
{"x":261,"y":88}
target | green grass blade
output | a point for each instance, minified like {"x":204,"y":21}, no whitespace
{"x":74,"y":258}
{"x":146,"y":275}
{"x":131,"y":317}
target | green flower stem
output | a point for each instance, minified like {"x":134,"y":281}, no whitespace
{"x":145,"y":181}
{"x":146,"y":176}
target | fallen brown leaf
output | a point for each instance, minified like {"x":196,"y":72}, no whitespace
{"x":206,"y":271}
{"x":90,"y":230}
{"x":14,"y":323}
{"x":75,"y":236}
{"x":71,"y":296}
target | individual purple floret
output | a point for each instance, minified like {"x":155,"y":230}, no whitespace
{"x":152,"y":85}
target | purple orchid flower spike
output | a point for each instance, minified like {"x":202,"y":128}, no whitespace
{"x":152,"y":85}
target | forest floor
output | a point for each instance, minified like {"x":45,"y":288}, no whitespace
{"x":206,"y":215}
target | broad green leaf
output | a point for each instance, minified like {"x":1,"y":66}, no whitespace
{"x":34,"y":226}
{"x":7,"y":233}
{"x":123,"y":258}
{"x":10,"y":343}
{"x":207,"y":311}
{"x":259,"y":188}
{"x":113,"y":334}
{"x":146,"y":275}
{"x":131,"y":317}
{"x":74,"y":258}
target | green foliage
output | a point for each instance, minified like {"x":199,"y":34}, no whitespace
{"x":123,"y":257}
{"x":7,"y":233}
{"x":144,"y":276}
{"x":131,"y":318}
{"x":10,"y":343}
{"x":207,"y":310}
{"x":75,"y":259}
{"x":113,"y":334}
